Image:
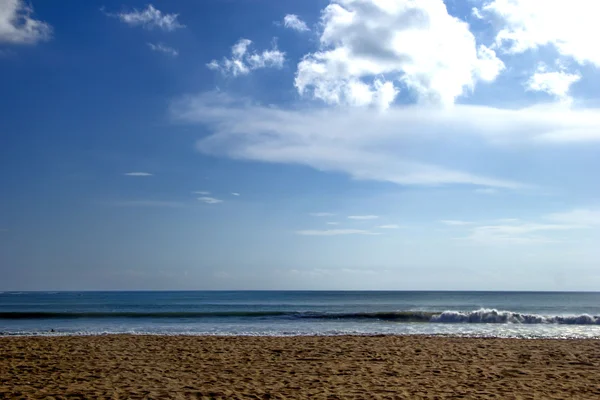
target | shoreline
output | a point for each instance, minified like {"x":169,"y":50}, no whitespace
{"x":349,"y":366}
{"x":59,"y":334}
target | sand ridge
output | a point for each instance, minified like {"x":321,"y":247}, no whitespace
{"x":341,"y":367}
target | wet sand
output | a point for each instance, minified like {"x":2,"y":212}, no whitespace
{"x":380,"y":367}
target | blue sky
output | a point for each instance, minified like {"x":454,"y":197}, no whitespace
{"x":347,"y":144}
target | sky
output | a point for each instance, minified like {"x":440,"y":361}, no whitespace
{"x":343,"y":144}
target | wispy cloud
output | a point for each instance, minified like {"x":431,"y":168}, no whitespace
{"x":210,"y":200}
{"x":390,"y":226}
{"x":518,"y":233}
{"x":202,"y":192}
{"x":145,"y":203}
{"x":292,"y":21}
{"x":18,"y":27}
{"x":509,"y":231}
{"x":486,"y":191}
{"x":323,"y":272}
{"x":580,"y":216}
{"x":335,"y":232}
{"x":137,"y":174}
{"x":363,"y":217}
{"x":242,"y":61}
{"x":333,"y":223}
{"x":235,"y":194}
{"x":161,"y":48}
{"x":149,"y":18}
{"x":321,"y":214}
{"x":455,"y":222}
{"x":365,"y":144}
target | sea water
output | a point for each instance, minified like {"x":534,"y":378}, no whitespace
{"x":277,"y":313}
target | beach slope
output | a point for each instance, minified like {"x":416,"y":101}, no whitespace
{"x":380,"y":367}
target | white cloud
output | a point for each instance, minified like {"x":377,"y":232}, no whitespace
{"x":507,"y":220}
{"x":321,"y":272}
{"x":570,"y":27}
{"x":370,"y":48}
{"x":17,"y":26}
{"x":333,"y":223}
{"x":292,"y":21}
{"x":149,"y":18}
{"x":209,"y":200}
{"x":137,"y":174}
{"x":555,"y":83}
{"x":235,"y":194}
{"x":581,"y":216}
{"x":379,"y":147}
{"x":486,"y":191}
{"x":161,"y":48}
{"x":335,"y":232}
{"x":363,"y":217}
{"x":476,"y":13}
{"x":390,"y":226}
{"x":513,"y":231}
{"x":321,"y":214}
{"x":455,"y":222}
{"x":145,"y":203}
{"x":517,"y":233}
{"x":243,"y":61}
{"x":202,"y":192}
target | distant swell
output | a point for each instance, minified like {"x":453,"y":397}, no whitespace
{"x":135,"y":314}
{"x":488,"y":316}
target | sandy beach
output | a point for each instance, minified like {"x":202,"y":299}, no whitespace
{"x":380,"y":367}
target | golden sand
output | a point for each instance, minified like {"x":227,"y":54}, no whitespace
{"x":353,"y":367}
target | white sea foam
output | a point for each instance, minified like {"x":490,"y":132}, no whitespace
{"x":493,"y":316}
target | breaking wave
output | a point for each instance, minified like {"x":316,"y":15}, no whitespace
{"x":491,"y":316}
{"x":481,"y":316}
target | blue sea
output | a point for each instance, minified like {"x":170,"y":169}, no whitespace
{"x":281,"y":313}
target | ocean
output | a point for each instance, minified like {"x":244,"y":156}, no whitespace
{"x":279,"y":313}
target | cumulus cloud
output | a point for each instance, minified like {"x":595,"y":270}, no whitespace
{"x":149,"y":18}
{"x":321,"y":214}
{"x":137,"y":174}
{"x":570,"y":27}
{"x":209,"y":200}
{"x":18,"y":27}
{"x":243,"y":61}
{"x":371,"y":49}
{"x":335,"y":232}
{"x":161,"y":48}
{"x":292,"y":21}
{"x":363,"y":217}
{"x":555,"y":83}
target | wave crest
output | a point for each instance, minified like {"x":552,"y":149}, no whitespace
{"x":481,"y":316}
{"x":492,"y":316}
